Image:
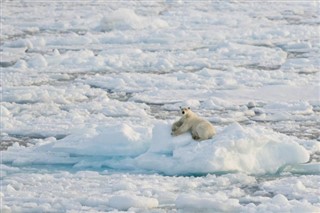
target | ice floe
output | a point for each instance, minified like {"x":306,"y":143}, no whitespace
{"x":250,"y":150}
{"x":89,"y":91}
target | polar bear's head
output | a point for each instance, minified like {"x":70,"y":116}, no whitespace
{"x":186,"y":111}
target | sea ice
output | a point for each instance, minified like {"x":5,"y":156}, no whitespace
{"x":124,"y":19}
{"x":89,"y":91}
{"x":250,"y":150}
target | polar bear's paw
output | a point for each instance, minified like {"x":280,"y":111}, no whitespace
{"x":195,"y":137}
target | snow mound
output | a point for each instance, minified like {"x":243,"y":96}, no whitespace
{"x":252,"y":150}
{"x":119,"y":140}
{"x":294,"y":108}
{"x":199,"y":203}
{"x":124,"y":202}
{"x":127,"y":19}
{"x":150,"y":147}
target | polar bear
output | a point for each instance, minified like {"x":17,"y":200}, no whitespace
{"x":200,"y":128}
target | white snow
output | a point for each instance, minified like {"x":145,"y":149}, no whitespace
{"x":120,"y":140}
{"x":89,"y":91}
{"x":218,"y":202}
{"x":125,"y":19}
{"x":93,"y":191}
{"x":125,"y":202}
{"x":250,"y":150}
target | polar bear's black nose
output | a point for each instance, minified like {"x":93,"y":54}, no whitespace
{"x":182,"y":112}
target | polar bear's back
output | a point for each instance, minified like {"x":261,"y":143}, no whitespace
{"x":205,"y":129}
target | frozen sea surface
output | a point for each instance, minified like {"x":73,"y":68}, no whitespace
{"x":89,"y":90}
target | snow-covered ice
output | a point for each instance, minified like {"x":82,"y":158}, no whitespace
{"x":89,"y":91}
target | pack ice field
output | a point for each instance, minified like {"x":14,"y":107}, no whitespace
{"x":90,"y":89}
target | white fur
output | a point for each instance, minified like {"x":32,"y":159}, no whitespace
{"x":200,"y":128}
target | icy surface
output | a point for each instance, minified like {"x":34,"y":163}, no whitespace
{"x":89,"y":91}
{"x":250,"y":150}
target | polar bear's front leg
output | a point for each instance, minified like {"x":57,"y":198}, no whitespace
{"x":176,"y":125}
{"x":182,"y":129}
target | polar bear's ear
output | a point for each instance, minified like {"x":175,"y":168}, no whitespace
{"x":188,"y":107}
{"x":180,"y":107}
